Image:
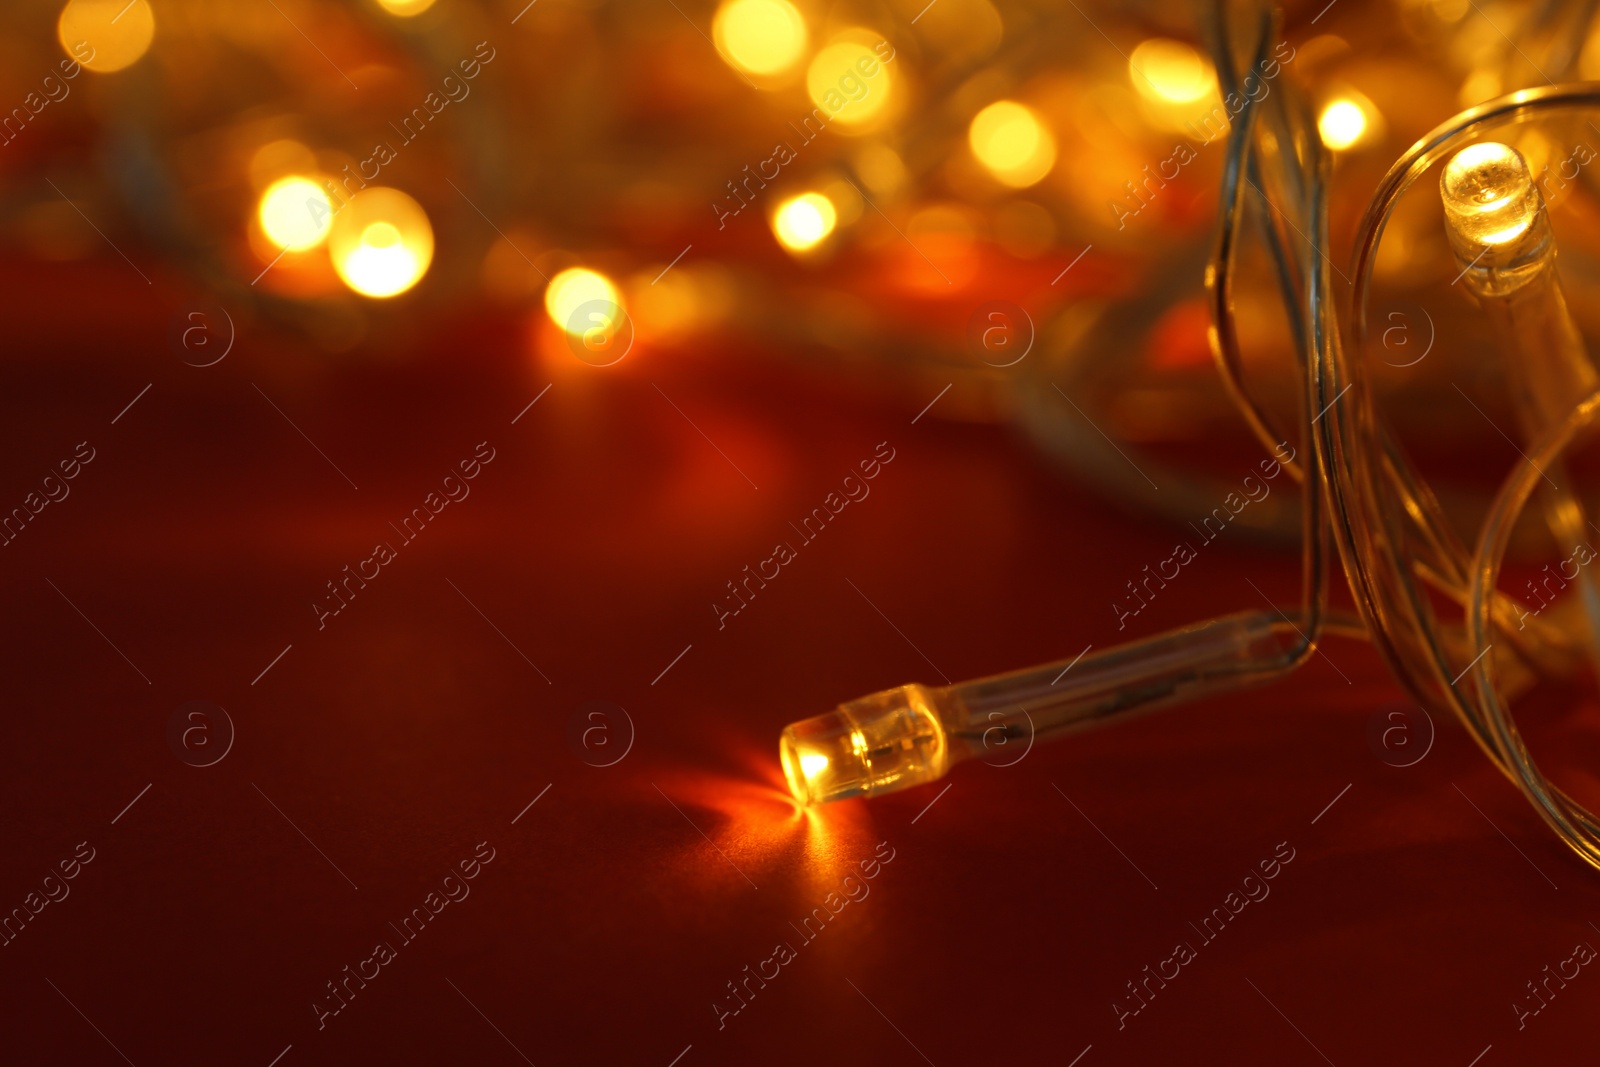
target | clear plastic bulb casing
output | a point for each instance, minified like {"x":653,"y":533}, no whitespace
{"x":1495,"y":218}
{"x":902,"y":737}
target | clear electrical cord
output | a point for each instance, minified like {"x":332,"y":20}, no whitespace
{"x":1404,"y":561}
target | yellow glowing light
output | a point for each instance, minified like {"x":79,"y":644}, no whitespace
{"x":295,"y":214}
{"x":280,"y":159}
{"x":1489,"y":196}
{"x":849,"y":81}
{"x":381,"y":242}
{"x":880,"y":167}
{"x":813,"y":764}
{"x":1484,"y":85}
{"x":571,"y":290}
{"x":1012,"y":143}
{"x":1170,"y":72}
{"x":1342,"y":123}
{"x":802,"y":222}
{"x":759,"y":36}
{"x":106,"y":35}
{"x":406,"y":8}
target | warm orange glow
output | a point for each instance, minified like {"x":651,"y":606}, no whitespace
{"x":1170,"y":72}
{"x":406,"y":8}
{"x":381,"y":243}
{"x":849,"y":81}
{"x":804,"y":221}
{"x":759,"y":36}
{"x":1342,"y":123}
{"x":106,"y":35}
{"x":575,"y":287}
{"x":295,"y":213}
{"x":1012,"y":143}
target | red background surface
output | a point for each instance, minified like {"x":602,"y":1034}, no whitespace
{"x":620,"y":904}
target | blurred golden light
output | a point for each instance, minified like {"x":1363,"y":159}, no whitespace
{"x":1484,"y":84}
{"x":1342,"y":123}
{"x":280,"y":159}
{"x":848,"y":79}
{"x":1170,"y":72}
{"x":759,"y":36}
{"x":846,"y":198}
{"x":802,"y":222}
{"x":295,"y":213}
{"x":880,"y":167}
{"x":106,"y":35}
{"x":406,"y":8}
{"x":1011,"y":142}
{"x":571,"y":290}
{"x":1588,"y":58}
{"x":381,"y":242}
{"x":1024,"y":229}
{"x":666,"y":305}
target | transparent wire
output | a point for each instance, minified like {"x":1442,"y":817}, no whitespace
{"x":1400,"y":555}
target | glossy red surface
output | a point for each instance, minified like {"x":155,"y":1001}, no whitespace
{"x":373,"y":756}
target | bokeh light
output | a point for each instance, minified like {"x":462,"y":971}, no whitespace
{"x":381,"y":242}
{"x":295,"y":213}
{"x":804,"y":221}
{"x":761,"y":37}
{"x":570,"y":290}
{"x":849,"y":81}
{"x":1012,"y":143}
{"x":282,"y":158}
{"x":106,"y":35}
{"x":1170,"y":72}
{"x":1341,"y":124}
{"x":881,"y":168}
{"x":406,"y":8}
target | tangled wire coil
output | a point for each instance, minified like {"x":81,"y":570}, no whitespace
{"x":1397,"y":548}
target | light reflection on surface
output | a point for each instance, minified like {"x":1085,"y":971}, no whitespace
{"x":756,"y":823}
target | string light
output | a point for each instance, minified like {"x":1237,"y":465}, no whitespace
{"x":1011,"y":142}
{"x":381,"y":243}
{"x":1342,"y":124}
{"x":804,"y":221}
{"x":572,"y":289}
{"x":850,"y":80}
{"x":1489,"y":198}
{"x":406,"y":8}
{"x":116,"y":33}
{"x":1170,"y":72}
{"x":295,"y":213}
{"x":762,"y":37}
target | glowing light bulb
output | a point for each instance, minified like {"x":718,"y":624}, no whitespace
{"x":406,"y":8}
{"x":761,"y":37}
{"x":848,"y":81}
{"x":381,"y":243}
{"x":879,"y":744}
{"x":1170,"y":72}
{"x":106,"y":35}
{"x":295,"y":213}
{"x":1495,"y":218}
{"x":1489,"y":196}
{"x":1342,"y":123}
{"x":1011,"y":142}
{"x":568,"y":293}
{"x":803,"y":222}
